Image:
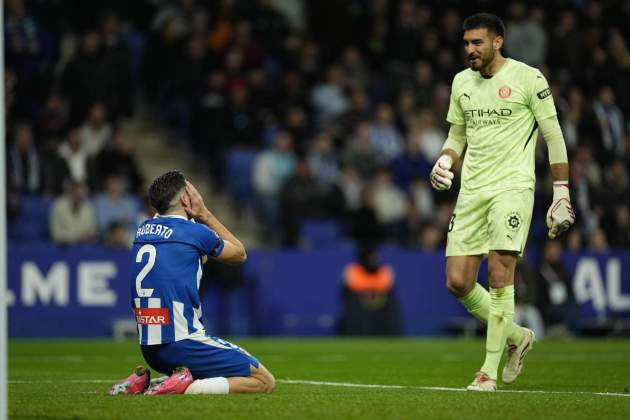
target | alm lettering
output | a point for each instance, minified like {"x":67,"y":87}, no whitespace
{"x":589,"y":285}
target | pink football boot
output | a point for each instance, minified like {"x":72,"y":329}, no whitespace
{"x":175,"y":384}
{"x":136,"y":383}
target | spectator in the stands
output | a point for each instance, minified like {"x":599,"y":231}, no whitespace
{"x":556,"y":299}
{"x":526,"y":38}
{"x":385,"y":137}
{"x":617,"y":181}
{"x":390,"y":203}
{"x":566,"y":46}
{"x":322,"y":159}
{"x":185,"y":81}
{"x":293,"y":93}
{"x":24,"y":162}
{"x":360,"y":153}
{"x":301,"y":198}
{"x":407,"y":35}
{"x":353,"y":64}
{"x":186,"y":16}
{"x":72,"y":217}
{"x":576,"y":118}
{"x":83,"y":78}
{"x":96,"y":131}
{"x":271,"y":170}
{"x":117,"y":158}
{"x":411,"y":164}
{"x":620,"y":228}
{"x":421,"y":199}
{"x":117,"y":236}
{"x":27,"y":44}
{"x":598,"y":242}
{"x":358,"y":111}
{"x":611,"y":124}
{"x":52,"y":122}
{"x":209,"y":124}
{"x":423,"y":84}
{"x":363,"y":223}
{"x":428,"y":135}
{"x":75,"y":155}
{"x":115,"y":205}
{"x":328,"y":98}
{"x":243,"y":122}
{"x":406,"y":110}
{"x":350,"y":184}
{"x":163,"y":47}
{"x":297,"y":123}
{"x":574,"y":239}
{"x":116,"y":58}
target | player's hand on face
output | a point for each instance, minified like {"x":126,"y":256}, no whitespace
{"x":560,"y":215}
{"x":193,"y":202}
{"x":441,"y":175}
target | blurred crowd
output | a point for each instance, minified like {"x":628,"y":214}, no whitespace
{"x":340,"y":104}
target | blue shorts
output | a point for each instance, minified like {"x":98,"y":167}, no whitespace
{"x":206,"y":357}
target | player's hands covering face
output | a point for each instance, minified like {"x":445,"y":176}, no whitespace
{"x":560,"y":215}
{"x":193,"y":202}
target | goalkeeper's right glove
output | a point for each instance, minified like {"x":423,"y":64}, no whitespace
{"x":441,"y":175}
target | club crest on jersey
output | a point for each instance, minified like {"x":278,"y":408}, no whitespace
{"x":513,"y":221}
{"x":152,"y":316}
{"x":505,"y":92}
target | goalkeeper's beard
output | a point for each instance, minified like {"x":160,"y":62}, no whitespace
{"x":486,"y":61}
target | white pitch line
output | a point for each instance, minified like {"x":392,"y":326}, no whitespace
{"x":350,"y":385}
{"x":447,"y":389}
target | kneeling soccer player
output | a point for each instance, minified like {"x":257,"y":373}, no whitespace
{"x":168,"y":253}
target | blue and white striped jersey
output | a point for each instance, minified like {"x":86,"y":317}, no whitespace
{"x":165,"y":276}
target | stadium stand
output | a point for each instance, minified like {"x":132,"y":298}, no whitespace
{"x":360,"y":87}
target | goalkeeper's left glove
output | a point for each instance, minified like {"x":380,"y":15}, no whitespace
{"x":560,"y":215}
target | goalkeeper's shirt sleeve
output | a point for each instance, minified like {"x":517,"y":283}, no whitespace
{"x":456,"y":139}
{"x":551,"y":131}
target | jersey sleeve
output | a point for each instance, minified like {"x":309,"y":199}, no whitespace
{"x":455,"y":114}
{"x":540,"y":99}
{"x":208,"y":241}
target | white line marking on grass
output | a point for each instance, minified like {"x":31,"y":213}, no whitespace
{"x":447,"y":389}
{"x":349,"y":385}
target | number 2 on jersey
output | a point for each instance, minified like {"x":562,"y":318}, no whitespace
{"x":146,"y":249}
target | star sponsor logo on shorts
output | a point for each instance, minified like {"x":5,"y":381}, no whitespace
{"x":505,"y":92}
{"x":544,"y":94}
{"x":513,"y":221}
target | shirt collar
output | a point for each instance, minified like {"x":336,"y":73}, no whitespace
{"x":175,"y":216}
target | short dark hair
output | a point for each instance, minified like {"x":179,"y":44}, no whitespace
{"x":164,"y":188}
{"x":491,"y":22}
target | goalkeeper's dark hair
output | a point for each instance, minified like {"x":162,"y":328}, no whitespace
{"x":491,"y":22}
{"x":164,"y":188}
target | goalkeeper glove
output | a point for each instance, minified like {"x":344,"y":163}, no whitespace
{"x":560,"y":215}
{"x":441,"y":175}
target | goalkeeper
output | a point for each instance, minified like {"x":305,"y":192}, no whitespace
{"x":496,"y":108}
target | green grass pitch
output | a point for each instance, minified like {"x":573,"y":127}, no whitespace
{"x":421,"y":378}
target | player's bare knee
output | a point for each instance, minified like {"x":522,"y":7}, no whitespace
{"x":457,"y":285}
{"x":269,"y":381}
{"x":270,"y":384}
